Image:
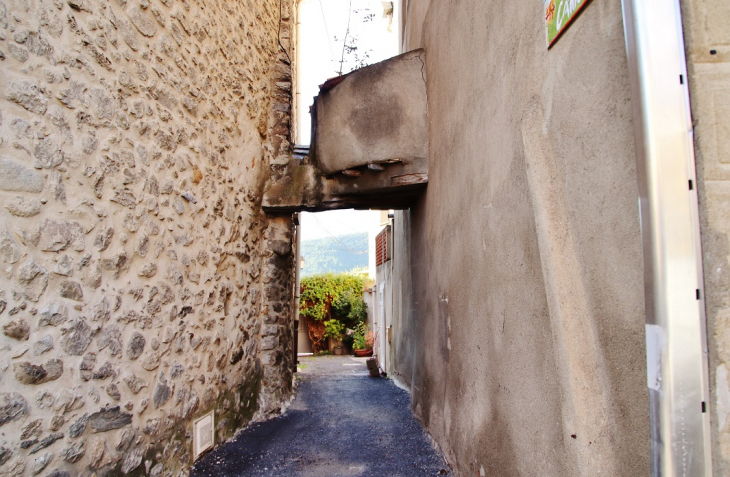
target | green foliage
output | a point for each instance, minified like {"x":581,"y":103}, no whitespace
{"x":320,"y":292}
{"x":335,"y":254}
{"x":333,"y":328}
{"x":330,"y":304}
{"x":362,"y":338}
{"x":358,"y":338}
{"x":351,"y":306}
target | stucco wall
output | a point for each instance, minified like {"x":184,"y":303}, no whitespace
{"x":518,"y":275}
{"x":141,"y":286}
{"x":382,"y":315}
{"x":707,"y":42}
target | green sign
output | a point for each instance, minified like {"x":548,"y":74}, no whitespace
{"x":558,"y":15}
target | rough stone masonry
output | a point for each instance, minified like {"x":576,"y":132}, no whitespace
{"x":141,"y":285}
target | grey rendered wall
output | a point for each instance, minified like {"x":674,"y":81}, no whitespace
{"x":404,"y":341}
{"x":518,"y":275}
{"x":382,"y":318}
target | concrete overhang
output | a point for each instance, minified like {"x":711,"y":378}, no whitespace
{"x":369,"y":143}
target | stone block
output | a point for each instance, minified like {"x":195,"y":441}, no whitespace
{"x":79,"y":426}
{"x":53,"y":314}
{"x":71,"y":290}
{"x":18,"y":329}
{"x":28,"y":373}
{"x":136,"y":345}
{"x":40,"y":463}
{"x":162,"y":392}
{"x":77,"y":338}
{"x":12,"y":406}
{"x":43,"y":345}
{"x":33,"y":278}
{"x":23,"y":207}
{"x":27,"y":95}
{"x":110,"y":337}
{"x":53,"y":236}
{"x":109,"y":418}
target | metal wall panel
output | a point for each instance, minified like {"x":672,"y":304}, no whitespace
{"x":675,"y":319}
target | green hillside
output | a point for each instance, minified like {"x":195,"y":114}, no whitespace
{"x":335,"y":254}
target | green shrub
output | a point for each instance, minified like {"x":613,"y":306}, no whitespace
{"x":329,"y":303}
{"x":362,"y":338}
{"x":350,"y":306}
{"x":333,"y":328}
{"x":329,"y":296}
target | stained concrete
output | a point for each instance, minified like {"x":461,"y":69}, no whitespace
{"x":369,"y":143}
{"x":375,"y":114}
{"x":518,"y":285}
{"x":342,"y":422}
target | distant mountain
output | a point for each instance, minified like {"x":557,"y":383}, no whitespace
{"x":335,"y":254}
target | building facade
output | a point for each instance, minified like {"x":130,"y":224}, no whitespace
{"x":523,"y":292}
{"x":142,"y":286}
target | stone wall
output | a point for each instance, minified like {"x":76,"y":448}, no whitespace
{"x":141,"y":286}
{"x":707,"y":42}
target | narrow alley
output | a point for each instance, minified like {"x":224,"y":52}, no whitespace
{"x":342,"y":422}
{"x":548,"y":263}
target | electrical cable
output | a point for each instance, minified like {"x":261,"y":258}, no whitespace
{"x":278,"y":34}
{"x":342,"y":247}
{"x":344,"y":42}
{"x":346,"y":225}
{"x":327,"y":32}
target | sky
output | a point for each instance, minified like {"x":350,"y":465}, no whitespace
{"x":320,"y":22}
{"x":322,"y":28}
{"x":337,"y":222}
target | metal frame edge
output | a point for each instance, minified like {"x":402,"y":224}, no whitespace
{"x":677,"y":367}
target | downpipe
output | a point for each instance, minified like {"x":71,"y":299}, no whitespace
{"x":297,"y":288}
{"x":676,"y":336}
{"x":297,"y":216}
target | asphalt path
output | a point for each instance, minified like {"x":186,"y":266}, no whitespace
{"x":341,"y":423}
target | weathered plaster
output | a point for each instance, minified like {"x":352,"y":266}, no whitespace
{"x":369,"y":143}
{"x":519,"y":321}
{"x":374,"y":115}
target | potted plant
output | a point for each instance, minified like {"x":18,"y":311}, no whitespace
{"x":333,"y":330}
{"x":362,"y":341}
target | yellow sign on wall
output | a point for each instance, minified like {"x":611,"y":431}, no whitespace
{"x":558,"y":15}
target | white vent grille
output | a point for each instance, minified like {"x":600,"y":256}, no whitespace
{"x":203,"y":434}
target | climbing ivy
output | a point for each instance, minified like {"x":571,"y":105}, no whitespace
{"x":324,"y":295}
{"x":330,"y":304}
{"x":333,"y":329}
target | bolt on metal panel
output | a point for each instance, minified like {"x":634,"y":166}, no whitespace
{"x":675,"y":312}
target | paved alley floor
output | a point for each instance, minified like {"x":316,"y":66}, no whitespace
{"x":341,"y":423}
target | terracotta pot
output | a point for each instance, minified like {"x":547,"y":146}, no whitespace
{"x":361,"y":353}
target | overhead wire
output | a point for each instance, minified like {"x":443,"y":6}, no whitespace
{"x":342,"y":247}
{"x":327,"y":32}
{"x":346,"y":225}
{"x":347,"y":32}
